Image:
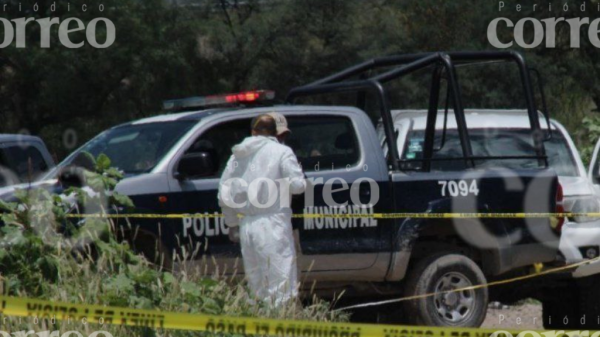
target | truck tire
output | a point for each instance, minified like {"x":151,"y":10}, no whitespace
{"x":435,"y":275}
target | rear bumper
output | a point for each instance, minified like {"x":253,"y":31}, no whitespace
{"x":575,"y":237}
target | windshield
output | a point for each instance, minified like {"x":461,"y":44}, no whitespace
{"x":491,"y":142}
{"x":134,"y":148}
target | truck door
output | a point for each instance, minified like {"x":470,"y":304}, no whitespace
{"x":339,"y":159}
{"x":331,"y":150}
{"x":207,"y":236}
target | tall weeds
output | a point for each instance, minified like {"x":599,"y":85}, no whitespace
{"x":44,"y":254}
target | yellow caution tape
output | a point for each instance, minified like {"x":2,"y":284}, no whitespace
{"x":89,"y":313}
{"x":24,"y":307}
{"x":367,"y":215}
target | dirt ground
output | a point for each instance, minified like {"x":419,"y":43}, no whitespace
{"x":523,"y":316}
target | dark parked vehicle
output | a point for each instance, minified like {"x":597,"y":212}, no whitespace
{"x":23,"y":159}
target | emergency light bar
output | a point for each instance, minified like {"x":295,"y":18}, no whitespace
{"x":255,"y":96}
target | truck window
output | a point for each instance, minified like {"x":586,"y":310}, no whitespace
{"x":323,"y":143}
{"x":25,"y":161}
{"x":560,"y":156}
{"x":219,"y":140}
{"x":491,"y":142}
{"x":320,"y":143}
{"x":136,"y":148}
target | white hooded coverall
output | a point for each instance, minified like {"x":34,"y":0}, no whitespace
{"x":257,"y":183}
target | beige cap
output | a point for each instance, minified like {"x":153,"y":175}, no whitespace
{"x":281,"y":122}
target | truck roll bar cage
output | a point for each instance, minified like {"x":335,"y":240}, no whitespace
{"x":443,"y":62}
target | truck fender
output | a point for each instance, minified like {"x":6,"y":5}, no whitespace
{"x":411,"y":229}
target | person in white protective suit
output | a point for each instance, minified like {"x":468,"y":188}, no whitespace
{"x":254,"y":194}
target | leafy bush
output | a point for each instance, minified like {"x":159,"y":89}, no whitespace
{"x":47,"y":256}
{"x":591,"y":135}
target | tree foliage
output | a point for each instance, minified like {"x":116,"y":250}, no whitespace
{"x":179,"y":48}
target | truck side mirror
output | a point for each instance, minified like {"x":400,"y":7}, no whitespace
{"x":71,"y":176}
{"x":195,"y":165}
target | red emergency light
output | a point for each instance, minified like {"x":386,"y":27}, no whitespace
{"x":254,"y":96}
{"x":249,"y":96}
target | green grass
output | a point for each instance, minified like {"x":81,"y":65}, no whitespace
{"x":41,"y":258}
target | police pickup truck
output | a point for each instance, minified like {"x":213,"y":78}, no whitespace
{"x":173,"y":163}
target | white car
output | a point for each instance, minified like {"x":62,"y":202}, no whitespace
{"x":586,"y":236}
{"x":504,"y":132}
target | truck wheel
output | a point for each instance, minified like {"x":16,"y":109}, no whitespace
{"x":437,"y":275}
